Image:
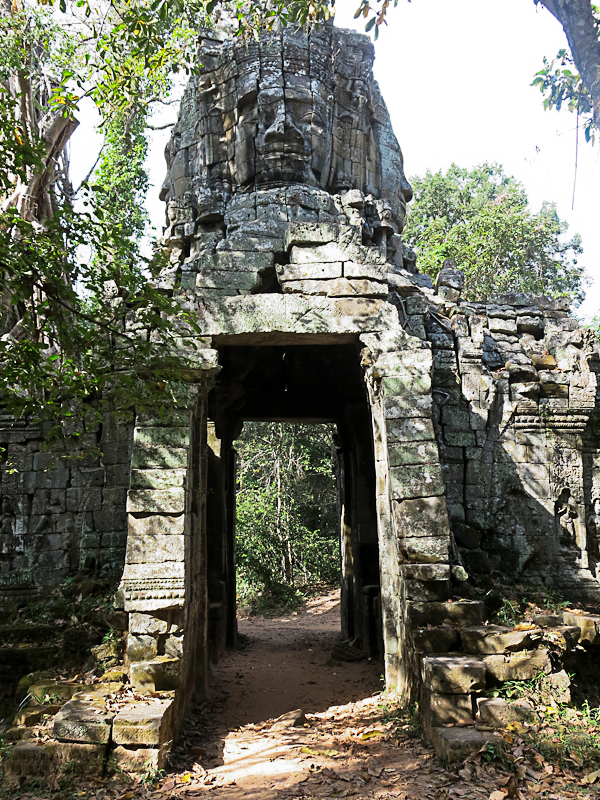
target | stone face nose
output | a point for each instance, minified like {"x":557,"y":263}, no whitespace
{"x":276,"y":132}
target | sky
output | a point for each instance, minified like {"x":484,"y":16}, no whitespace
{"x":456,"y":77}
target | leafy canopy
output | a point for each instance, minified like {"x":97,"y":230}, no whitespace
{"x":482,"y":220}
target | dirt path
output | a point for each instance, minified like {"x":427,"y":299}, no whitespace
{"x":233,"y":750}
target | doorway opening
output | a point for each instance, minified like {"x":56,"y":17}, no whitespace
{"x":284,"y":392}
{"x":287,"y":534}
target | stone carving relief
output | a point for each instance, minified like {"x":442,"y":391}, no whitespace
{"x":296,"y":109}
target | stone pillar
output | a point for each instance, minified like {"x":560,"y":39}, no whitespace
{"x":414,"y":531}
{"x":163,"y":587}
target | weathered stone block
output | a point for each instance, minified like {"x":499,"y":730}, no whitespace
{"x":84,"y":759}
{"x":410,"y":430}
{"x":489,"y":639}
{"x":416,"y":481}
{"x":138,"y":759}
{"x":457,"y":437}
{"x":453,"y":674}
{"x":110,"y":519}
{"x":427,"y":590}
{"x":463,"y":612}
{"x":141,"y":647}
{"x":144,"y":723}
{"x":84,"y":499}
{"x":83,"y":719}
{"x":156,"y":525}
{"x":160,"y":458}
{"x":159,"y":675}
{"x":155,"y":549}
{"x":518,"y":666}
{"x":376,"y":272}
{"x":587,"y":623}
{"x":435,"y":640}
{"x":445,"y":709}
{"x":498,"y":713}
{"x":147,"y":624}
{"x":159,"y":437}
{"x":423,"y":516}
{"x":166,"y":501}
{"x":455,"y":744}
{"x":412,"y":453}
{"x":425,"y":549}
{"x":304,"y":272}
{"x":158,"y":478}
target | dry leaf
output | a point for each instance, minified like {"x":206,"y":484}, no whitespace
{"x":497,"y":795}
{"x":591,"y":777}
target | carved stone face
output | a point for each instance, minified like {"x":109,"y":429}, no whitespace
{"x":292,"y":108}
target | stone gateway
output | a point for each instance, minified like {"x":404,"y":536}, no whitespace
{"x":468,"y":434}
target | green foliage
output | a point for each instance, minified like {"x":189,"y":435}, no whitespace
{"x":481,"y":219}
{"x":563,"y":85}
{"x":287,"y":540}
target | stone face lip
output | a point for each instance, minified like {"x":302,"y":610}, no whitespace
{"x":83,"y":719}
{"x":148,"y":723}
{"x":441,"y":709}
{"x":453,"y":674}
{"x":490,"y":639}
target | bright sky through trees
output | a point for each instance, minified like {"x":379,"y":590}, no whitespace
{"x":456,"y":77}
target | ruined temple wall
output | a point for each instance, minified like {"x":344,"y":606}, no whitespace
{"x":515,"y":388}
{"x":63,"y":503}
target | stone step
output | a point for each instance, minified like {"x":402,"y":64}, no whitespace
{"x":28,"y":759}
{"x":498,"y":713}
{"x":456,"y":744}
{"x":454,"y":674}
{"x":490,"y":639}
{"x":458,"y":613}
{"x":438,"y":639}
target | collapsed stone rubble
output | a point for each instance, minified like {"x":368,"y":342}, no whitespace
{"x":468,"y":431}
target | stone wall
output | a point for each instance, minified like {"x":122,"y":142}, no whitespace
{"x":63,"y":503}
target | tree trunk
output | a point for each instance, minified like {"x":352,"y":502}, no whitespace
{"x":578,"y":23}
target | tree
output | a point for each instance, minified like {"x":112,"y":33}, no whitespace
{"x":481,"y":219}
{"x":286,"y":531}
{"x":580,"y":20}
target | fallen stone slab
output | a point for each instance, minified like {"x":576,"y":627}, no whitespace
{"x":35,"y":714}
{"x":455,"y":744}
{"x":517,"y":666}
{"x":84,"y":719}
{"x":147,"y":723}
{"x":55,"y":691}
{"x":498,"y":713}
{"x":453,"y":674}
{"x":587,"y":623}
{"x":490,"y":639}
